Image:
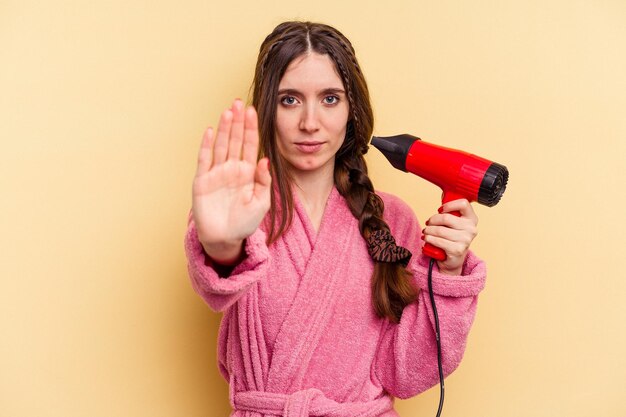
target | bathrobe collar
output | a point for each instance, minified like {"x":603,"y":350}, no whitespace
{"x":313,"y":304}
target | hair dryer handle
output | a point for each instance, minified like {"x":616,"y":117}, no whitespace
{"x":433,"y":251}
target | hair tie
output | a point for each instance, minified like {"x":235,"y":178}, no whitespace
{"x":382,"y":247}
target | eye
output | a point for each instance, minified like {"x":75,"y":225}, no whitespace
{"x":331,"y":100}
{"x":288,"y":100}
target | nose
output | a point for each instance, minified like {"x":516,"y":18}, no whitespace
{"x":309,"y":119}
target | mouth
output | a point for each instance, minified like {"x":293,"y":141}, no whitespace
{"x":309,"y":146}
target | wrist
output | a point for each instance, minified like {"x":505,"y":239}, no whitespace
{"x":224,"y":253}
{"x":454,"y":271}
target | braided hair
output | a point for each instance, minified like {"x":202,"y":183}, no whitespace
{"x":392,"y":287}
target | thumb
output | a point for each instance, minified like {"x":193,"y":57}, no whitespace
{"x":262,"y":178}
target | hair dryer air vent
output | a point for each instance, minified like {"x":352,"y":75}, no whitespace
{"x":493,"y":184}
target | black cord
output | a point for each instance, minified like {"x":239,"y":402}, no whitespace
{"x":437,"y":334}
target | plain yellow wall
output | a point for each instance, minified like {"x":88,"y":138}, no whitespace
{"x":102,"y":105}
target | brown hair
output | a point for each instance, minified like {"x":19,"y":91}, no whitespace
{"x":392,"y":288}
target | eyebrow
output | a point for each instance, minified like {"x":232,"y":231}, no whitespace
{"x":324,"y":91}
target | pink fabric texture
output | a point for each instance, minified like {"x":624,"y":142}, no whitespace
{"x":299,"y":335}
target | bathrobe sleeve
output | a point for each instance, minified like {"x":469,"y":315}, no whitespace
{"x":218,"y":292}
{"x":406,"y":361}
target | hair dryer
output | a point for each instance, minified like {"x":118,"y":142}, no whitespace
{"x":459,"y":174}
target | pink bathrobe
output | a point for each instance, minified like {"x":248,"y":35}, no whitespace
{"x":299,"y":335}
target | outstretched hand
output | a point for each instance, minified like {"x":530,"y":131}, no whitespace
{"x":231,"y":189}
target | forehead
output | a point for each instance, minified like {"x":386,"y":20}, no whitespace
{"x":311,"y":69}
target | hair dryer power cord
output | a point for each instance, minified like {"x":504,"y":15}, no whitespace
{"x":437,"y":334}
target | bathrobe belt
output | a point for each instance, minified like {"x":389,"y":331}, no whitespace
{"x":308,"y":402}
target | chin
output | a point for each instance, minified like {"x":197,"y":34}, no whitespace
{"x":310,"y":165}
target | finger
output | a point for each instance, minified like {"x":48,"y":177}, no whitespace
{"x":452,"y":249}
{"x":205,"y":155}
{"x":220,"y":150}
{"x":262,"y":178}
{"x":463,"y":206}
{"x":458,"y":236}
{"x":451,"y":221}
{"x":236,"y":131}
{"x":251,"y":136}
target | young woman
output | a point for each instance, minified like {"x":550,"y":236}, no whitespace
{"x":318,"y":276}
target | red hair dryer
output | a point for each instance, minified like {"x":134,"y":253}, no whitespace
{"x":459,"y":174}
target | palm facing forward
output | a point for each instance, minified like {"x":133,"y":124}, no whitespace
{"x":231,"y":190}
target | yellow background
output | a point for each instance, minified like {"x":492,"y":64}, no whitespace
{"x":102,"y":106}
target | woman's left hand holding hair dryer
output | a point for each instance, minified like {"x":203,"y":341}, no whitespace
{"x":452,"y":233}
{"x":231,"y":189}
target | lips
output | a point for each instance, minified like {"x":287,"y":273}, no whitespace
{"x":309,"y":147}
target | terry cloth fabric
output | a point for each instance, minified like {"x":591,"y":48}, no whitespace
{"x":299,"y":335}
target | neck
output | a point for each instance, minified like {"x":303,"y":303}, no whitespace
{"x":314,"y":187}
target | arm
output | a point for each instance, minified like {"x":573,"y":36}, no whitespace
{"x":230,"y":197}
{"x":220,"y":293}
{"x":406,"y":362}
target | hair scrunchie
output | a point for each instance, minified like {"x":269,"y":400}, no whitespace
{"x":382,"y":247}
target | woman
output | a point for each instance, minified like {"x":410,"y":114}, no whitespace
{"x":322,"y":309}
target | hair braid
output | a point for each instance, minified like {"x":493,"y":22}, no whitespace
{"x":392,"y":287}
{"x":263,"y":62}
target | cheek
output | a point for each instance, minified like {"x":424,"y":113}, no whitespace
{"x":281,"y":130}
{"x":285,"y":122}
{"x":339,"y":125}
